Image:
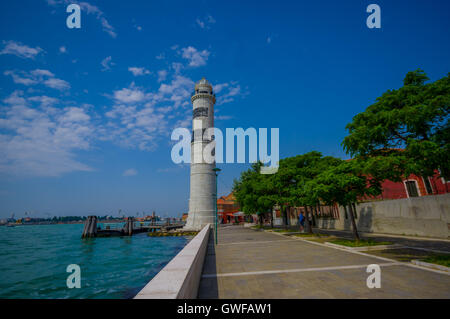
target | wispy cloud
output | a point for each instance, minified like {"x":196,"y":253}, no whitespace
{"x":130,"y":172}
{"x":89,"y":9}
{"x":20,"y":50}
{"x":195,"y":58}
{"x":227,"y":92}
{"x":42,"y":140}
{"x":205,"y":23}
{"x":138,"y":71}
{"x":139,"y":118}
{"x":270,"y":38}
{"x":162,"y":75}
{"x":129,"y":95}
{"x":107,"y":63}
{"x":38,"y":76}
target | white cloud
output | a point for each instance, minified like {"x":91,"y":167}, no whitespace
{"x":38,"y":76}
{"x":206,"y":22}
{"x":229,"y":91}
{"x":89,"y":9}
{"x":200,"y":23}
{"x":178,"y":91}
{"x":57,"y":84}
{"x":41,"y":73}
{"x":62,"y":49}
{"x":139,"y":119}
{"x":137,"y":71}
{"x":135,"y":126}
{"x":210,"y":19}
{"x":177,"y":67}
{"x":223,"y":117}
{"x":162,"y":75}
{"x":219,"y":87}
{"x":19,"y":79}
{"x":20,"y":50}
{"x":39,"y":141}
{"x":129,"y":95}
{"x":130,"y":172}
{"x":270,"y":38}
{"x":44,"y":100}
{"x":196,"y":58}
{"x":107,"y":63}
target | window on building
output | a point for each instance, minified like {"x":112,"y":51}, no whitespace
{"x":200,"y":111}
{"x":426,"y":180}
{"x":411,"y":188}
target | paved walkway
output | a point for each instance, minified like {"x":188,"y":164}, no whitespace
{"x":256,"y":264}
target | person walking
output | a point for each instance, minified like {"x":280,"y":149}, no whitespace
{"x":301,"y":221}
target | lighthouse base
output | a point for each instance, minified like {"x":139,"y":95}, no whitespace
{"x":197,"y":220}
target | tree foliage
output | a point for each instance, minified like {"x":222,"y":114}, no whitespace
{"x":408,"y":128}
{"x":405,"y":131}
{"x":306,"y":180}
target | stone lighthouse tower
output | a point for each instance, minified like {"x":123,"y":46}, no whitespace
{"x":203,"y":179}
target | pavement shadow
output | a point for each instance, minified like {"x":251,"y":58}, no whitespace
{"x":208,"y":288}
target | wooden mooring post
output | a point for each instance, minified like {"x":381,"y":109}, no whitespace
{"x":90,"y":227}
{"x":128,"y":228}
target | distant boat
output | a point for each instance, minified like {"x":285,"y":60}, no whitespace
{"x":9,"y":225}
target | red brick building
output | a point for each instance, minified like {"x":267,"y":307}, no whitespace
{"x":414,"y":186}
{"x":227,"y":208}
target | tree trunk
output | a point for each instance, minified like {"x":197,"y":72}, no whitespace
{"x":352,"y":217}
{"x":271,"y":218}
{"x":308,"y":224}
{"x":260,"y":220}
{"x":286,"y":216}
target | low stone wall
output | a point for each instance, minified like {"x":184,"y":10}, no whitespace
{"x":181,"y":276}
{"x":427,"y":216}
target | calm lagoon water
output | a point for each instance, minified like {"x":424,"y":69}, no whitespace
{"x":33,"y":262}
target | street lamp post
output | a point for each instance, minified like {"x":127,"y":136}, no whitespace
{"x":216,"y":171}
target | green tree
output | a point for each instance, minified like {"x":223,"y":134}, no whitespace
{"x":343,"y":183}
{"x":253,"y":191}
{"x":407,"y":128}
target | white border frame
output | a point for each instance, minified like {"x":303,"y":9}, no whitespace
{"x":433,"y":191}
{"x":417,"y":186}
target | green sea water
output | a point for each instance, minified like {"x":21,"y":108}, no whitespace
{"x":33,"y":262}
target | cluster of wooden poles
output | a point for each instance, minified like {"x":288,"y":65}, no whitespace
{"x":90,"y":227}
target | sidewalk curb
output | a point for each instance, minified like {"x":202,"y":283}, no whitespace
{"x":430,"y":265}
{"x":366,"y":248}
{"x":370,"y":234}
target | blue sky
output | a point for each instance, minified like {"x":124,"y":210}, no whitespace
{"x":86,"y":114}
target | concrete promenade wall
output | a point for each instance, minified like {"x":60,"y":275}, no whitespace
{"x":181,"y":276}
{"x":427,"y":216}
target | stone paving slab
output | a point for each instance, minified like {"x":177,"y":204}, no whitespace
{"x":232,"y":270}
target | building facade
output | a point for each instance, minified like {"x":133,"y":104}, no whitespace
{"x":414,"y":186}
{"x":228,"y":210}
